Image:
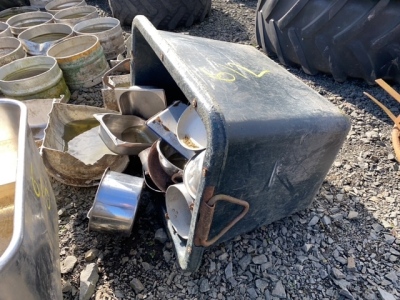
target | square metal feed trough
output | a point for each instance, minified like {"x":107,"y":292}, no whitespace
{"x":29,"y":250}
{"x":270,"y":138}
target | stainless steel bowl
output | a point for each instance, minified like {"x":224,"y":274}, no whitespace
{"x":192,"y":173}
{"x":191,"y":131}
{"x":144,"y":156}
{"x":171,"y":160}
{"x":115,"y":204}
{"x":157,"y":174}
{"x":164,"y":124}
{"x":179,"y":208}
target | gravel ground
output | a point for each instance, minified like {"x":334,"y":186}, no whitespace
{"x":345,"y":246}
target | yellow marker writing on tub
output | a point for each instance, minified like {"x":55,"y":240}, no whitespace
{"x":233,"y":70}
{"x":40,"y":190}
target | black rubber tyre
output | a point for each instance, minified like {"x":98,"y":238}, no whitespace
{"x":164,"y":14}
{"x":4,"y":4}
{"x":346,"y":38}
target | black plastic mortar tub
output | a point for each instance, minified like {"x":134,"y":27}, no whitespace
{"x":271,"y":139}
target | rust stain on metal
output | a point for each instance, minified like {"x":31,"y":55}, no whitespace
{"x":166,"y":216}
{"x":395,"y":120}
{"x":194,"y":103}
{"x":83,"y":69}
{"x":204,"y":172}
{"x":80,"y":55}
{"x":208,"y":193}
{"x":165,"y":128}
{"x":188,"y":141}
{"x":204,"y":223}
{"x":158,"y":120}
{"x":207,"y":214}
{"x":205,"y":217}
{"x":51,"y":83}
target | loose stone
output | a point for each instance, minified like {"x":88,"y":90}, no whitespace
{"x":229,"y":271}
{"x":137,"y":285}
{"x":68,"y":264}
{"x":88,"y":280}
{"x":91,"y":255}
{"x":337,"y":273}
{"x":161,"y":236}
{"x":313,"y":221}
{"x":244,"y":261}
{"x":385,"y":295}
{"x":351,"y":264}
{"x":260,"y":259}
{"x":352,"y":215}
{"x":204,"y":285}
{"x":279,"y":290}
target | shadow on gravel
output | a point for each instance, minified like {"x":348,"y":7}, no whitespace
{"x":222,"y":24}
{"x":351,"y":91}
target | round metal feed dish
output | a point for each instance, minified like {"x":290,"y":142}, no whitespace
{"x":179,"y":208}
{"x":26,"y":20}
{"x":10,"y":50}
{"x":10,"y":12}
{"x":74,"y":15}
{"x":56,"y":5}
{"x":36,"y":77}
{"x":109,"y":32}
{"x":171,"y":160}
{"x":157,"y":174}
{"x":37,"y":40}
{"x":82,"y":60}
{"x":191,"y":131}
{"x":192,"y":173}
{"x":5,"y":30}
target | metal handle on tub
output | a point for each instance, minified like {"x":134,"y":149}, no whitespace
{"x":206,"y":216}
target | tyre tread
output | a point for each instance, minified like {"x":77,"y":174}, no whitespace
{"x":164,"y":14}
{"x":293,"y":12}
{"x":319,"y":36}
